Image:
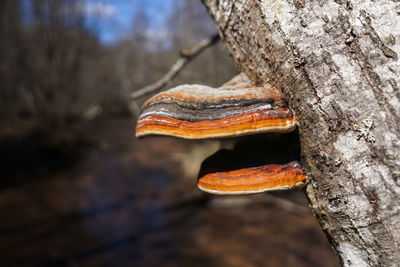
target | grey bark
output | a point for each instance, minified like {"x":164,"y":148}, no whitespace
{"x":337,"y":62}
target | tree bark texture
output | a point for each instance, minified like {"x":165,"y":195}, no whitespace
{"x":338,"y":64}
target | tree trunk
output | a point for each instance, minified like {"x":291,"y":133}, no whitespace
{"x":337,"y":62}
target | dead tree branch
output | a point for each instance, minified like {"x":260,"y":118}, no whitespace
{"x":185,"y":58}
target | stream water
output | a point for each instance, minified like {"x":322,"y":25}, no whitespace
{"x":125,"y":203}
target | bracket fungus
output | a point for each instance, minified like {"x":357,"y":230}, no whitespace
{"x":235,"y":109}
{"x":200,"y":112}
{"x":254,"y":180}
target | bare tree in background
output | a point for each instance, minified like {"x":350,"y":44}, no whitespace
{"x":10,"y":15}
{"x":46,"y":45}
{"x":53,"y":67}
{"x":62,"y":44}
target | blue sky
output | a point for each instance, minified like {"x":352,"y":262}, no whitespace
{"x":112,"y":19}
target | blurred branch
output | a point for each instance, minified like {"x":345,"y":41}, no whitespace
{"x":92,"y":112}
{"x":186,"y":57}
{"x":286,"y":204}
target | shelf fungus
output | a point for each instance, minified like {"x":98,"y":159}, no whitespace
{"x":235,"y":109}
{"x":254,"y":180}
{"x":200,"y":112}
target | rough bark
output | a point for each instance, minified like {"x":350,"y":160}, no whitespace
{"x":337,"y":62}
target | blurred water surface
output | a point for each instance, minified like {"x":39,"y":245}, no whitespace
{"x":125,"y":203}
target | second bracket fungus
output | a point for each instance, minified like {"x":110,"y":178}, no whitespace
{"x":235,"y":109}
{"x":200,"y":112}
{"x":254,"y":180}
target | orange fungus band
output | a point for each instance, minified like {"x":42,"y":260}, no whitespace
{"x":278,"y":120}
{"x":254,"y":180}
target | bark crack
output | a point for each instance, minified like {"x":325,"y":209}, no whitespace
{"x":375,"y":37}
{"x":369,"y":74}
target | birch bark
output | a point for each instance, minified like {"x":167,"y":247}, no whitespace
{"x":338,"y":64}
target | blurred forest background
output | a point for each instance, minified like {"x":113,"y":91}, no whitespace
{"x":76,"y":187}
{"x":53,"y":67}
